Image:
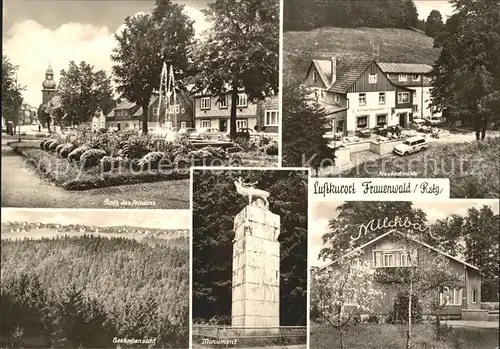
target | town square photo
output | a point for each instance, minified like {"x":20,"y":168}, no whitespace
{"x":407,"y":88}
{"x":94,"y":278}
{"x":404,"y":274}
{"x":249,"y":258}
{"x":122,"y":98}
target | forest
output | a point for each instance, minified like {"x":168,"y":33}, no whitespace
{"x":84,"y":292}
{"x":215,"y":204}
{"x":307,"y":15}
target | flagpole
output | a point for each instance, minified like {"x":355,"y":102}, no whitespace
{"x":174,"y":94}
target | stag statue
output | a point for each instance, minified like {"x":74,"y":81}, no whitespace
{"x":248,"y":189}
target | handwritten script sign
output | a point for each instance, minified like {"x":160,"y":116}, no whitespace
{"x":387,"y":223}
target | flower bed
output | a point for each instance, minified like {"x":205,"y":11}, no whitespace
{"x":82,"y":160}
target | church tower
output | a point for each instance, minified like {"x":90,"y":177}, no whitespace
{"x":49,"y":85}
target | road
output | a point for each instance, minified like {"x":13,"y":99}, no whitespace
{"x":22,"y":187}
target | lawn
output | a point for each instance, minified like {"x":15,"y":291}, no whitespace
{"x":395,"y":45}
{"x":471,"y":167}
{"x":385,"y":336}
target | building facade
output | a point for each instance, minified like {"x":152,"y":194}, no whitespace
{"x":389,"y":251}
{"x":417,"y":78}
{"x":356,"y":95}
{"x":214,"y":112}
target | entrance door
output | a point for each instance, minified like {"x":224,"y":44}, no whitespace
{"x":402,"y":120}
{"x":222,"y":125}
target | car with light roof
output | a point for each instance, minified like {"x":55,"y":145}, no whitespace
{"x":412,"y":145}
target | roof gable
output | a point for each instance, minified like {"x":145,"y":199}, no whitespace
{"x":348,"y":71}
{"x":408,"y":237}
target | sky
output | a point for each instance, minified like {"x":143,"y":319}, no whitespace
{"x":58,"y":31}
{"x":154,"y":219}
{"x":323,"y":212}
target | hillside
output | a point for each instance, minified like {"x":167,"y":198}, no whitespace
{"x":395,"y":45}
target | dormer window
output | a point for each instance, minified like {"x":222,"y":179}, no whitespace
{"x":416,"y":77}
{"x":403,"y":77}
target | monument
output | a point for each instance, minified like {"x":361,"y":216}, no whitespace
{"x":256,"y":262}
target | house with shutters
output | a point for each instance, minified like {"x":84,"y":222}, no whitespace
{"x":215,"y":112}
{"x":392,"y":250}
{"x":128,"y":115}
{"x":355,"y":94}
{"x":417,"y":78}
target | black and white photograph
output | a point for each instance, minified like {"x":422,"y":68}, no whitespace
{"x":107,"y":104}
{"x":249,"y":258}
{"x":404,"y":274}
{"x":94,"y":279}
{"x":394,"y":88}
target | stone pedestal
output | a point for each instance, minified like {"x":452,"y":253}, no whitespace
{"x":256,"y":268}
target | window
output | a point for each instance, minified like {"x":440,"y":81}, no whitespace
{"x":315,"y":76}
{"x":372,"y":79}
{"x":362,"y":122}
{"x":205,"y":103}
{"x":337,"y":99}
{"x":416,"y":77}
{"x":403,"y":97}
{"x":388,"y":259}
{"x":242,"y":100}
{"x":177,"y":108}
{"x":415,"y":108}
{"x":474,"y":296}
{"x":271,"y":118}
{"x":183,"y":124}
{"x":340,"y":126}
{"x":404,"y":262}
{"x":241,"y":124}
{"x":205,"y":123}
{"x":451,"y":297}
{"x":155,"y":111}
{"x":362,"y":99}
{"x":403,"y":77}
{"x":381,"y":119}
{"x":381,"y":98}
{"x":223,"y":102}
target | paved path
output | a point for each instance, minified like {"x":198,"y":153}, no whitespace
{"x":22,"y":187}
{"x":473,"y":324}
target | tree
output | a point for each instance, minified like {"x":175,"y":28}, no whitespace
{"x":240,"y":53}
{"x":425,"y":276}
{"x":467,"y":72}
{"x":303,"y":129}
{"x":146,"y":42}
{"x":354,"y":214}
{"x":11,"y":90}
{"x":350,"y":281}
{"x":434,"y":24}
{"x":83,"y":92}
{"x":44,"y":115}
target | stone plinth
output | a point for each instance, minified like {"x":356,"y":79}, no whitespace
{"x":256,"y":268}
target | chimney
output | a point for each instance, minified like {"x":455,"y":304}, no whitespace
{"x":334,"y":70}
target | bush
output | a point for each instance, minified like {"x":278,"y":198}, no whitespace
{"x":271,"y":148}
{"x":399,"y":312}
{"x":133,"y":148}
{"x":42,"y":144}
{"x":151,"y":160}
{"x":246,"y":144}
{"x":66,"y":149}
{"x":47,"y":143}
{"x":108,"y":163}
{"x":53,"y":145}
{"x":75,"y":154}
{"x":92,"y":157}
{"x":59,"y":147}
{"x":373,"y":319}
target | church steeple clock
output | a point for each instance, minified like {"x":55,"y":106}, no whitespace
{"x":49,"y":85}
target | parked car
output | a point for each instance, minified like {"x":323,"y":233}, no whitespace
{"x":417,"y":124}
{"x":186,"y":132}
{"x":206,"y":133}
{"x":434,"y":120}
{"x":246,"y":133}
{"x":412,"y":145}
{"x":364,"y":133}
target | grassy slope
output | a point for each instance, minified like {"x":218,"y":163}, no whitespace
{"x":471,"y":167}
{"x":395,"y":45}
